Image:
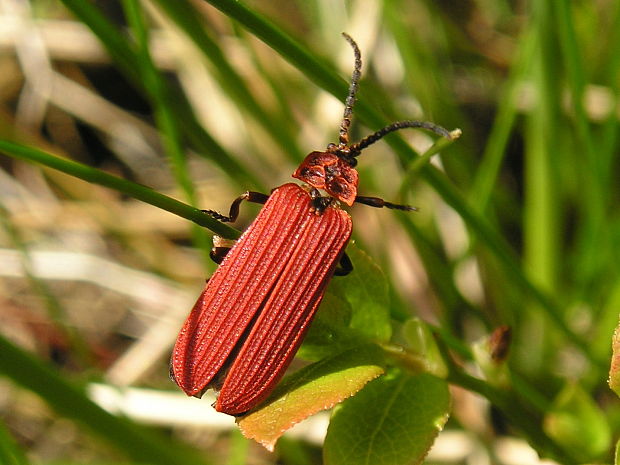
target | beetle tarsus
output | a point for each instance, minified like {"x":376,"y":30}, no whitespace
{"x":344,"y":266}
{"x":218,"y":216}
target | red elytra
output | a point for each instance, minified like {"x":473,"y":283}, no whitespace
{"x":251,"y":318}
{"x":260,"y":301}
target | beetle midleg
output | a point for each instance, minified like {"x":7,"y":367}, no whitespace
{"x":250,"y":196}
{"x":220,"y":249}
{"x":380,"y":203}
{"x":217,"y":254}
{"x":344,"y":266}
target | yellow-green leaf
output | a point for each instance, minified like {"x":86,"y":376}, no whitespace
{"x":314,"y":388}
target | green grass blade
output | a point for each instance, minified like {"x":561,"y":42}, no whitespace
{"x":512,"y":408}
{"x":541,"y":215}
{"x":319,"y":71}
{"x":160,"y":99}
{"x":440,"y":271}
{"x":607,"y":148}
{"x":136,"y":191}
{"x":593,"y":231}
{"x":495,"y":149}
{"x":510,"y":265}
{"x":122,"y":53}
{"x":164,"y":114}
{"x":187,"y":19}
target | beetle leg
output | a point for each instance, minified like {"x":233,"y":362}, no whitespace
{"x":380,"y":203}
{"x":217,"y":254}
{"x":250,"y":196}
{"x":344,"y":266}
{"x":220,"y":248}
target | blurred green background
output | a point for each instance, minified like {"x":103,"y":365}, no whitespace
{"x":202,"y":100}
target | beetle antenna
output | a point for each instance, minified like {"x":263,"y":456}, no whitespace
{"x":357,"y":148}
{"x":350,"y":101}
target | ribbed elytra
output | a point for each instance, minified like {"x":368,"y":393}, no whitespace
{"x":273,"y":279}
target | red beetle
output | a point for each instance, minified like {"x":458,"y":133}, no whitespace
{"x":252,"y":316}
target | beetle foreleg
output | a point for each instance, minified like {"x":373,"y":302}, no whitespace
{"x":250,"y":196}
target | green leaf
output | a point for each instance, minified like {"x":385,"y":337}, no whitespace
{"x":577,"y":423}
{"x":355,"y":311}
{"x":366,"y":291}
{"x":330,"y":333}
{"x":314,"y":388}
{"x":392,"y":421}
{"x":420,"y":342}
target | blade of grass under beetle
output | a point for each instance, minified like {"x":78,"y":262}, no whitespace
{"x":136,"y":191}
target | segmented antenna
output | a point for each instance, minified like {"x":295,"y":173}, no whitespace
{"x":350,"y":101}
{"x":350,"y":151}
{"x":356,"y":149}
